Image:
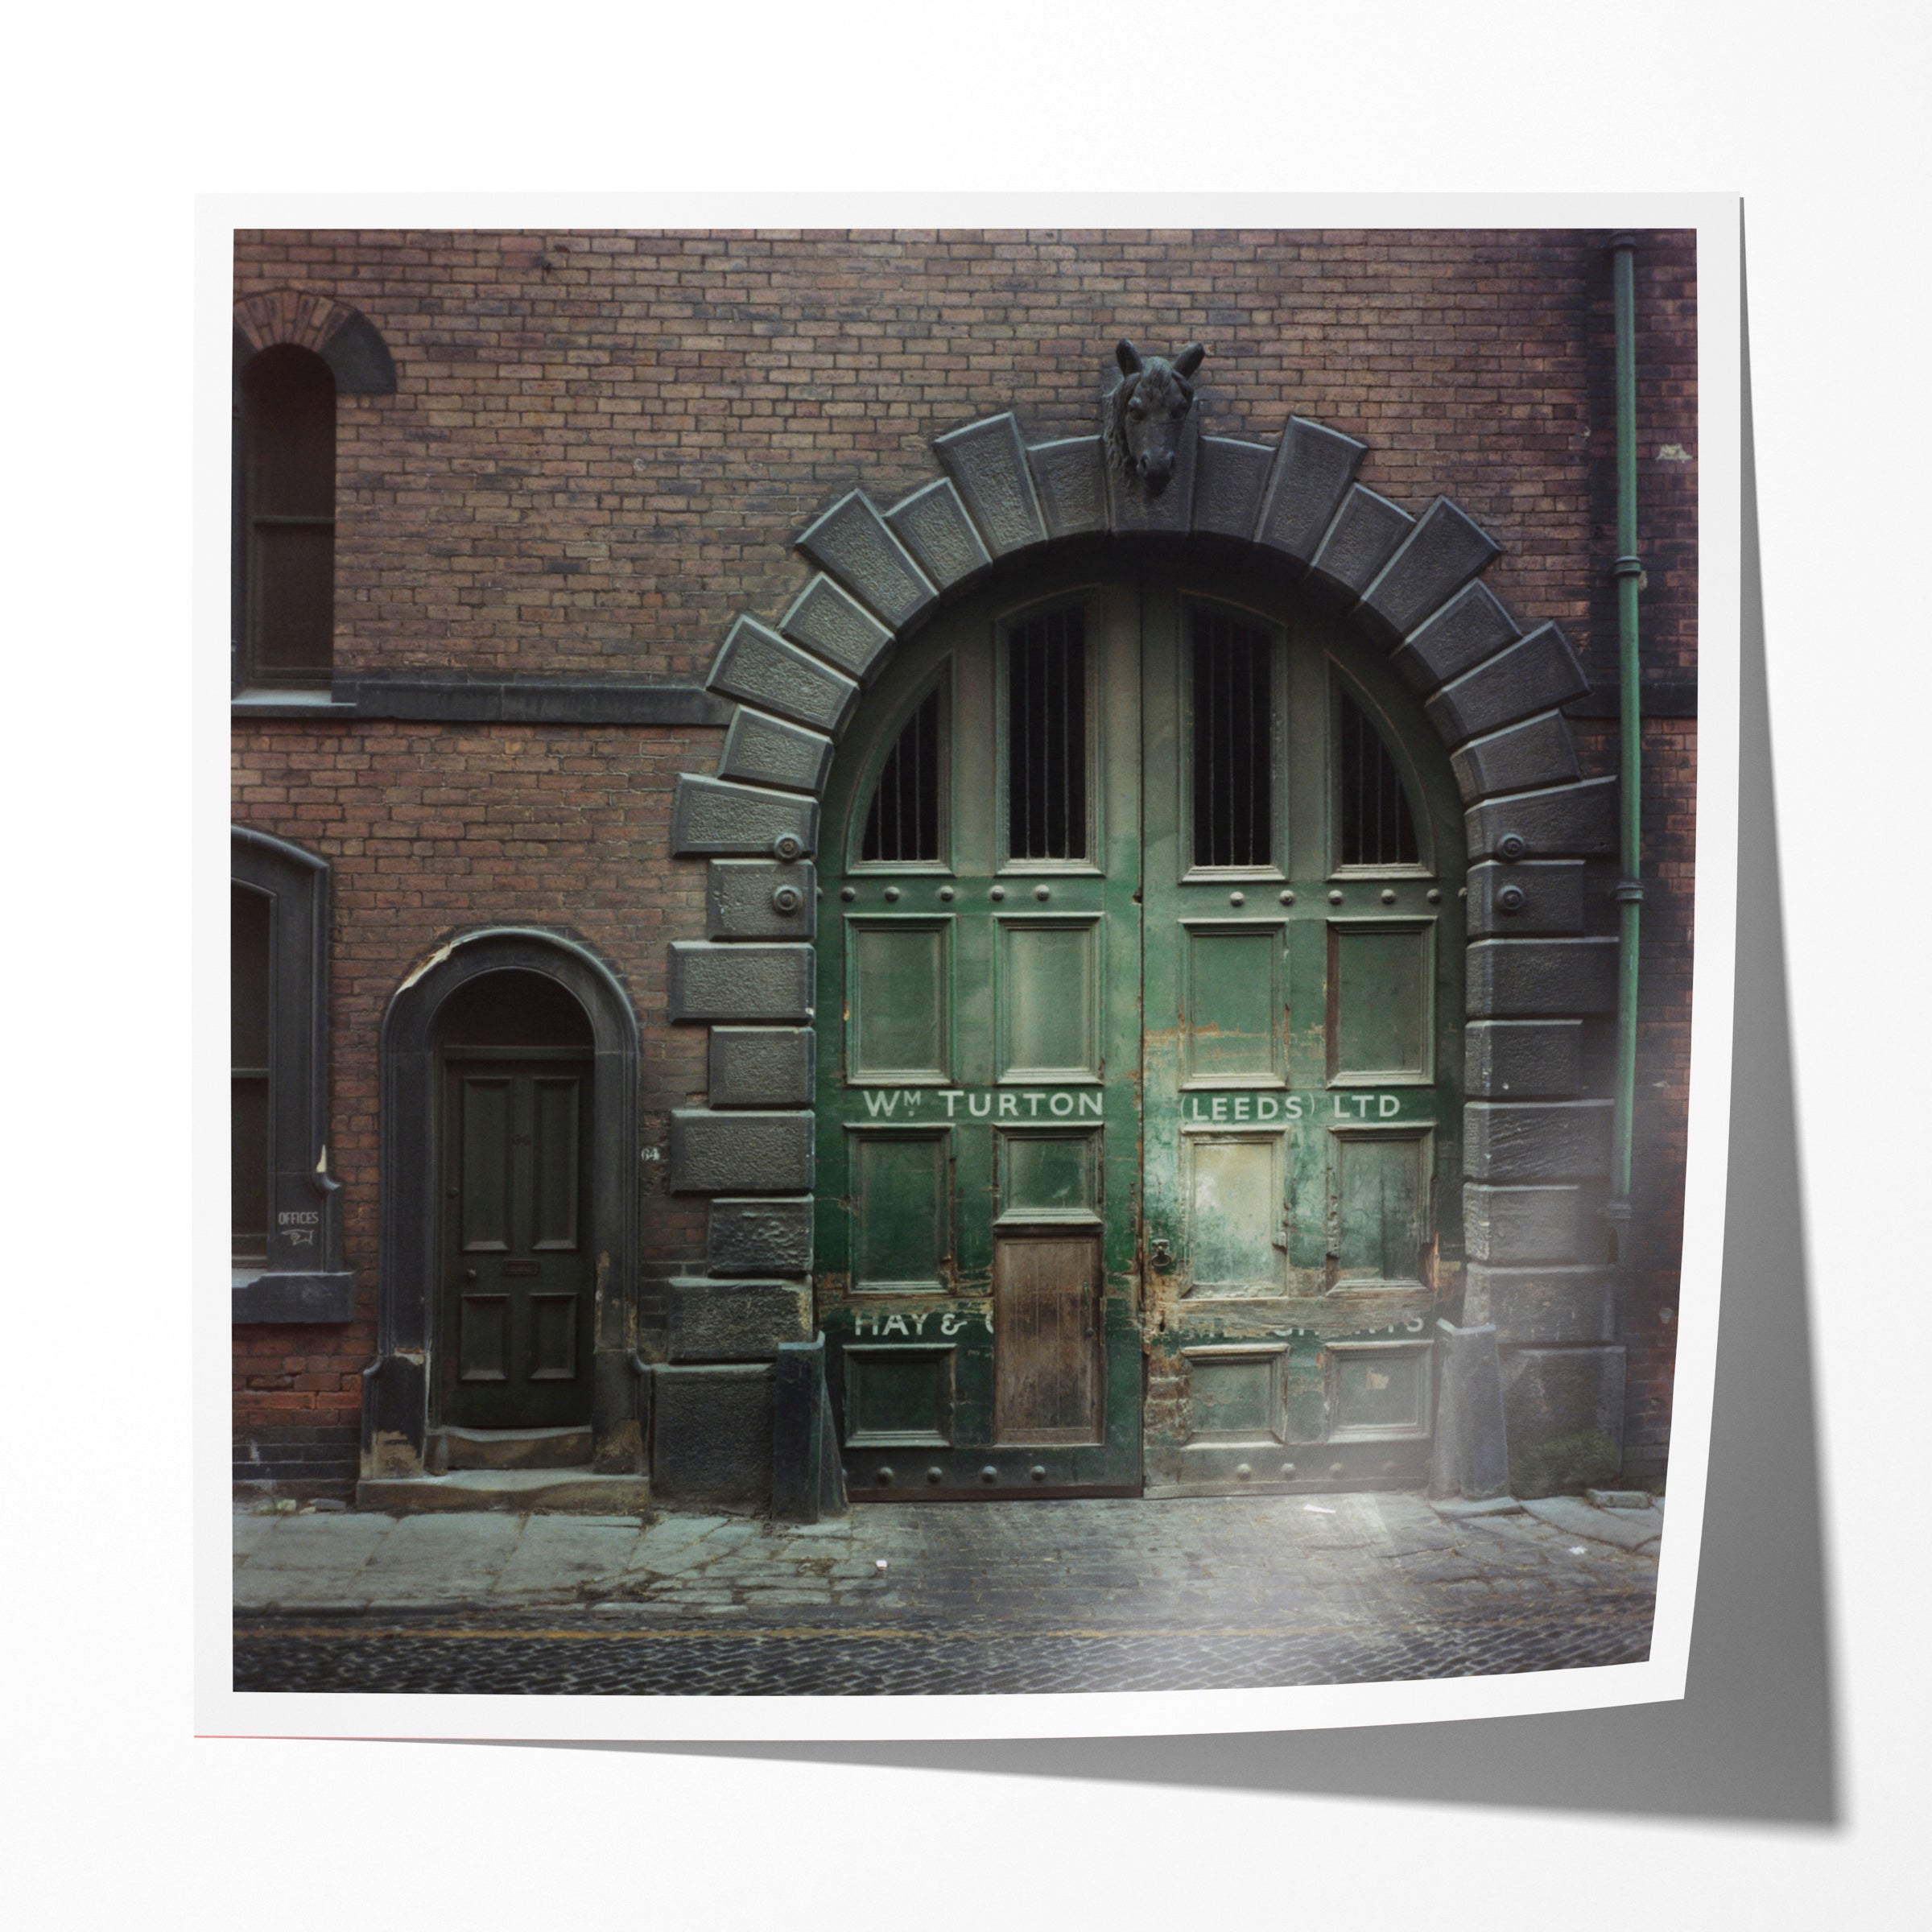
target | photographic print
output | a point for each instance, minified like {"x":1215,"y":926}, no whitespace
{"x":961,"y":964}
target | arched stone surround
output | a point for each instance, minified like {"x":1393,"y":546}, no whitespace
{"x":397,"y":1414}
{"x":1493,"y":687}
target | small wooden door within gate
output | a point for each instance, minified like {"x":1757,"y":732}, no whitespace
{"x":1134,"y":1109}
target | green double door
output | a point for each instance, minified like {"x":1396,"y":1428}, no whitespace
{"x":1135,"y":1112}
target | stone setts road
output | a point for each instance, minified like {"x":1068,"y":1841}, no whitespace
{"x":1190,"y":1594}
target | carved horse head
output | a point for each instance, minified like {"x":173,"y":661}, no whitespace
{"x":1149,"y":409}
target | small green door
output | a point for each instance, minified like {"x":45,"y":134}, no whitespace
{"x":516,"y":1260}
{"x":1139,"y":1003}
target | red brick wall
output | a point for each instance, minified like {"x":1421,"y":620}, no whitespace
{"x":600,"y":444}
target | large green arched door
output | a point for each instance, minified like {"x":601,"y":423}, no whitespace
{"x":1137,"y":1067}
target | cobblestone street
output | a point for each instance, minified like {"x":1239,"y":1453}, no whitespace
{"x":1193,"y":1594}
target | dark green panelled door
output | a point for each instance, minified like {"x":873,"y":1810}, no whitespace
{"x":1135,"y":1050}
{"x":979,"y":1118}
{"x":1303,"y":974}
{"x":518,"y":1281}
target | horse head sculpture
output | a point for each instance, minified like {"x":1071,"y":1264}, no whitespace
{"x":1146,"y":413}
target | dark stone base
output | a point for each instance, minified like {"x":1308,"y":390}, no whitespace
{"x":1565,"y":1408}
{"x":712,"y":1434}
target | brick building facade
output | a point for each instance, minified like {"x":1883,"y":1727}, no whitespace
{"x":566,"y":469}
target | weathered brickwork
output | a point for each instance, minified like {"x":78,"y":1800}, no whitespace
{"x":429,"y":830}
{"x":601,"y":445}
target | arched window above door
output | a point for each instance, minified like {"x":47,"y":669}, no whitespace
{"x":1047,"y":720}
{"x":1232,"y":741}
{"x":905,"y":822}
{"x":1374,"y":821}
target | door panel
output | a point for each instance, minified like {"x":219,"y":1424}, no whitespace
{"x":485,"y":1138}
{"x":899,"y":994}
{"x":559,"y":1108}
{"x":1233,"y":997}
{"x":1046,"y":1336}
{"x":484,"y":1350}
{"x":900,"y":1196}
{"x":1046,"y":1176}
{"x":1048,"y":980}
{"x":1235,"y":1214}
{"x":1381,"y":977}
{"x":1378,"y":1190}
{"x":517,"y":1278}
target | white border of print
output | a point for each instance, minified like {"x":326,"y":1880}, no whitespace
{"x":221,"y":1711}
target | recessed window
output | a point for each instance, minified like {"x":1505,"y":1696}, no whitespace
{"x":251,"y":967}
{"x":287,"y":532}
{"x":1377,"y":827}
{"x":1233,"y":739}
{"x":1046,"y":737}
{"x":285,"y":1217}
{"x":902,"y":826}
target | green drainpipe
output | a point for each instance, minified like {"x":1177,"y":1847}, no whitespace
{"x":1627,"y":570}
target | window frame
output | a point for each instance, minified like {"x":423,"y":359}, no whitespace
{"x":249,"y":521}
{"x":1342,"y":685}
{"x":1280,"y":740}
{"x":1087,"y":601}
{"x":301,"y":1277}
{"x":941,"y":685}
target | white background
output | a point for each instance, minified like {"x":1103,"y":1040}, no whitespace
{"x":118,"y":120}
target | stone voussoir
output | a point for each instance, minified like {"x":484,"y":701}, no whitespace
{"x":1538,"y":673}
{"x":1534,"y":754}
{"x":1367,"y":531}
{"x":713,"y":817}
{"x":763,"y":750}
{"x":932,"y":523}
{"x":831,"y":624}
{"x":987,"y":462}
{"x":1314,"y":469}
{"x":1445,"y":550}
{"x":758,"y":667}
{"x":854,"y":543}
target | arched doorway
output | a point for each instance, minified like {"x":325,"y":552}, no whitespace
{"x":1404,"y":594}
{"x":515,"y":1274}
{"x":507,"y":1321}
{"x":1139,"y":1053}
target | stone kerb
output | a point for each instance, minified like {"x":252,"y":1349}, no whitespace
{"x":1409,"y":583}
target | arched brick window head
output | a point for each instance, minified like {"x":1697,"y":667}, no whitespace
{"x":287,"y":519}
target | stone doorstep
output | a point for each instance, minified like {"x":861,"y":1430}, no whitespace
{"x":575,"y":1492}
{"x":548,"y":1449}
{"x":1619,"y":1499}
